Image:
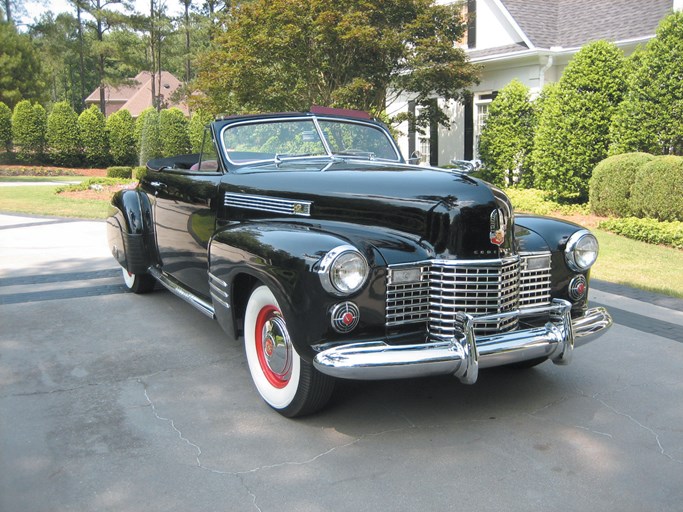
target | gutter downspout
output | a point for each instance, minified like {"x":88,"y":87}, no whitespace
{"x":541,"y":74}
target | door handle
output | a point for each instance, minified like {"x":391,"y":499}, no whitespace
{"x":158,"y":184}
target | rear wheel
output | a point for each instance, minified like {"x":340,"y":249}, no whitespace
{"x":288,"y":383}
{"x":138,"y":283}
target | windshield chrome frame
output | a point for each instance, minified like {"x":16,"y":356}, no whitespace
{"x":329,"y":154}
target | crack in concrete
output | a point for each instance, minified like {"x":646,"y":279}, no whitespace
{"x":639,"y":424}
{"x":595,"y":397}
{"x":172,"y":423}
{"x":241,"y":474}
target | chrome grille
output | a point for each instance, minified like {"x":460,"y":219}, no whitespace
{"x":435,"y":291}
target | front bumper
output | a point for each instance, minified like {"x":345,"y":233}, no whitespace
{"x":464,"y":354}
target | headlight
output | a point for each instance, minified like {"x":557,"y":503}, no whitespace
{"x":581,"y":251}
{"x":343,"y":270}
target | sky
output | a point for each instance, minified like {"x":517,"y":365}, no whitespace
{"x":36,"y":8}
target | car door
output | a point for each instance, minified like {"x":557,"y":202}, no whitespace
{"x":185,"y":208}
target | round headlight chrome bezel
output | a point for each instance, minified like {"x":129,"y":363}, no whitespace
{"x":329,"y":267}
{"x":577,"y":245}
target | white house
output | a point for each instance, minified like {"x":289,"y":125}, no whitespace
{"x":532,"y":41}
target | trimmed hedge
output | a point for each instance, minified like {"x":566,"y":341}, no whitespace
{"x":573,"y":129}
{"x":611,"y":183}
{"x":29,"y":127}
{"x":63,"y":135}
{"x":507,"y":138}
{"x":91,"y":183}
{"x":150,"y":140}
{"x":650,"y":231}
{"x":120,"y":172}
{"x":658,"y":189}
{"x":139,"y":172}
{"x":195,"y":129}
{"x":537,"y":202}
{"x":173,"y":132}
{"x":121,"y":126}
{"x":94,"y":136}
{"x":5,"y":127}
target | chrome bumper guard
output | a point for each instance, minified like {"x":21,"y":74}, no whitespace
{"x":464,"y":354}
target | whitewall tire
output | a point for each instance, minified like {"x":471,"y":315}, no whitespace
{"x":287,"y":383}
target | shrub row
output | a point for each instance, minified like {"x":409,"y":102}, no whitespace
{"x":537,"y":202}
{"x":638,"y":185}
{"x":66,"y":138}
{"x":34,"y":171}
{"x":647,"y":230}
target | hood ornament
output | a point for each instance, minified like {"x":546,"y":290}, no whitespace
{"x":498,"y":227}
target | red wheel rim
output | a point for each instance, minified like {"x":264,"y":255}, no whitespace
{"x":273,"y":347}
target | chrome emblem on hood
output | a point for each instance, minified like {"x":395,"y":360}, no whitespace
{"x":498,"y":226}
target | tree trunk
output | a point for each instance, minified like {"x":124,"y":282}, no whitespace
{"x":8,"y":11}
{"x":81,"y":104}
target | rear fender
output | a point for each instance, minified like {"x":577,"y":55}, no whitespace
{"x":130,"y":231}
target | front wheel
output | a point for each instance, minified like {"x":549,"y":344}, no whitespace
{"x":138,"y":283}
{"x":288,"y":383}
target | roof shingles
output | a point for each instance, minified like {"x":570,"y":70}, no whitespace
{"x":573,"y":23}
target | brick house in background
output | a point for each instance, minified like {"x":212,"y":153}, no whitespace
{"x":531,"y":41}
{"x":138,"y":96}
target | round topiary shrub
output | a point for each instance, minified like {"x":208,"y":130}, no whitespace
{"x":120,"y":172}
{"x":611,"y":183}
{"x":658,"y":189}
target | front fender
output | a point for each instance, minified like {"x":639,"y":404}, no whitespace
{"x":284,"y":257}
{"x":537,"y":233}
{"x":130,"y":231}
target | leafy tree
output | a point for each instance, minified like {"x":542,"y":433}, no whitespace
{"x":573,"y":131}
{"x":650,"y":118}
{"x":5,"y":127}
{"x":57,"y":43}
{"x":507,"y":138}
{"x":20,"y":78}
{"x":94,"y":136}
{"x":28,"y":130}
{"x":121,"y":127}
{"x":150,"y":140}
{"x":198,"y":121}
{"x":105,"y":19}
{"x":286,"y":55}
{"x":173,"y":132}
{"x":63,"y":134}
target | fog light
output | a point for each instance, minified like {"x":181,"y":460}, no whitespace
{"x":577,"y":288}
{"x":345,"y":317}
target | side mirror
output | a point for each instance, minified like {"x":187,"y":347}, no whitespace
{"x":415,"y":158}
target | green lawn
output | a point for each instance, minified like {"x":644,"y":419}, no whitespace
{"x":640,"y":265}
{"x":42,"y":200}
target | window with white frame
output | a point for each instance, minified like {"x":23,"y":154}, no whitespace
{"x":481,"y":112}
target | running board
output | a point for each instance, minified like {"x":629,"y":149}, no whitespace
{"x":176,"y":289}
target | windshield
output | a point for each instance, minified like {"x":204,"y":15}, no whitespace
{"x":288,"y":139}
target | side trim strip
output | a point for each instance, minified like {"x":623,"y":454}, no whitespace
{"x":176,"y":289}
{"x":268,"y":204}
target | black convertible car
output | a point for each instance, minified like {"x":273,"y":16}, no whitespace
{"x":309,"y":235}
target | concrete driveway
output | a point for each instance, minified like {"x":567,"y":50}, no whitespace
{"x":117,"y":402}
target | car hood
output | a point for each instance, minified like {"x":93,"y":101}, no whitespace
{"x":446,"y":211}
